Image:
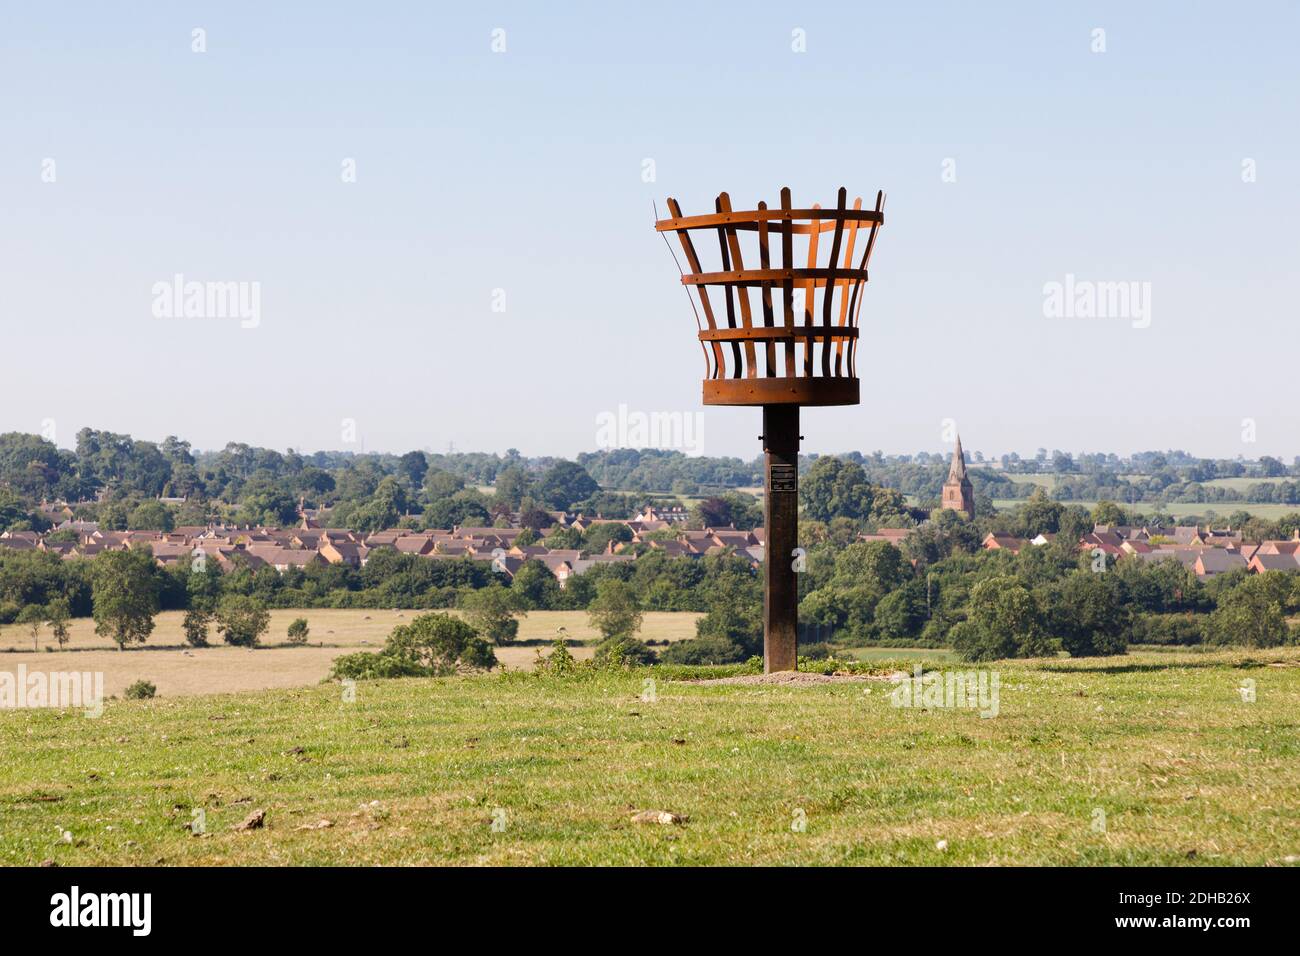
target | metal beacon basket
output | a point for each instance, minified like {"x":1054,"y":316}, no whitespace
{"x":780,"y":336}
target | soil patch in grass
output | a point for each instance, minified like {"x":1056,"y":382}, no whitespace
{"x":793,"y":679}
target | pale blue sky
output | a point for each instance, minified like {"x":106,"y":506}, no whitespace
{"x":522,"y":171}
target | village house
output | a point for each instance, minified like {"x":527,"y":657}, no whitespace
{"x":892,"y":536}
{"x":1003,"y":542}
{"x":668,"y":516}
{"x":1212,"y":561}
{"x":1259,"y":563}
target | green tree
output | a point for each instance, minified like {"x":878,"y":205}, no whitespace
{"x":1107,"y":512}
{"x":33,"y":615}
{"x":242,"y":620}
{"x":57,"y":613}
{"x":125,"y":595}
{"x":1003,"y":621}
{"x":1254,"y":612}
{"x":385,"y":507}
{"x":298,"y":629}
{"x":440,"y":483}
{"x":1040,"y":514}
{"x":732,"y":628}
{"x":835,"y":488}
{"x":732,"y":508}
{"x":491,"y":612}
{"x":536,"y":587}
{"x":512,"y":486}
{"x":151,"y":516}
{"x":566,"y":539}
{"x":195,"y":625}
{"x":203,"y":583}
{"x":413,"y":466}
{"x":901,"y":613}
{"x":463,"y":508}
{"x":874,"y":564}
{"x":600,"y":536}
{"x":439,"y":644}
{"x":564,"y":483}
{"x":265,"y":502}
{"x":615,"y":611}
{"x":1090,"y":616}
{"x":535,"y":519}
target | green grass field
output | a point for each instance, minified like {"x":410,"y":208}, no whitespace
{"x":416,"y":771}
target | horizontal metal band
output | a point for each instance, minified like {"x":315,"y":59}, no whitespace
{"x":781,"y":391}
{"x":818,"y":276}
{"x":775,"y":333}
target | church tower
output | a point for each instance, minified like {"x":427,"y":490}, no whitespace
{"x":958,"y":495}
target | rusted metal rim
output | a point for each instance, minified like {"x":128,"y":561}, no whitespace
{"x":739,"y":219}
{"x":781,"y":391}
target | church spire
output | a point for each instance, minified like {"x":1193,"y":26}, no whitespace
{"x":958,"y":494}
{"x":957,"y":470}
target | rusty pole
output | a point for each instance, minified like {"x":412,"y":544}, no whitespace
{"x":781,"y":521}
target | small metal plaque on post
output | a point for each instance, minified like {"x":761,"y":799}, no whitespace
{"x":784,"y":478}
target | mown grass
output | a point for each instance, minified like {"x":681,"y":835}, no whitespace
{"x":415,"y":771}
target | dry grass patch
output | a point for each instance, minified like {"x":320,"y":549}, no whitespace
{"x":180,"y":670}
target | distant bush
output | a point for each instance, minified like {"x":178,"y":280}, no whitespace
{"x":432,"y":645}
{"x":703,"y":650}
{"x":620,"y":651}
{"x":364,"y":665}
{"x":974,"y":644}
{"x":558,"y":663}
{"x":141,"y":690}
{"x":440,"y":643}
{"x":242,"y":620}
{"x":1183,"y":630}
{"x":298,"y":631}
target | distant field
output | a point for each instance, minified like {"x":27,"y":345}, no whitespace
{"x":1222,"y":509}
{"x":178,"y":669}
{"x":687,"y":501}
{"x":1045,"y":481}
{"x":1148,"y":759}
{"x":1241,"y":484}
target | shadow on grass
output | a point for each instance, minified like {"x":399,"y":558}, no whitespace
{"x":1133,"y":667}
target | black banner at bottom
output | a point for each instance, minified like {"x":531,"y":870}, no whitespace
{"x":335,"y":906}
